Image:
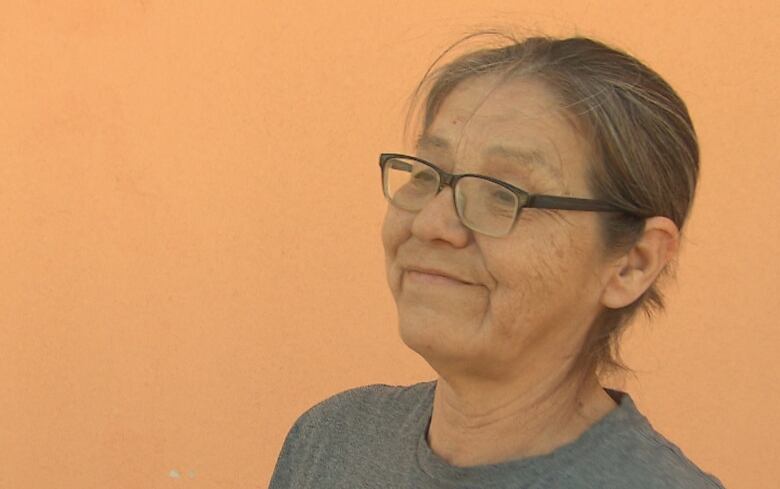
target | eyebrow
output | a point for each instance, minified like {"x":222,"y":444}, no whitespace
{"x":526,"y":157}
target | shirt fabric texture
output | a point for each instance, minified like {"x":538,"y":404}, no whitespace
{"x":375,"y":437}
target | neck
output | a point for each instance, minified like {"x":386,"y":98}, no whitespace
{"x":489,"y":424}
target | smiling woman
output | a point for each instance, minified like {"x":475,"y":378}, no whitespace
{"x":517,"y":299}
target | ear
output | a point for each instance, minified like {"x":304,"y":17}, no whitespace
{"x":633,"y":273}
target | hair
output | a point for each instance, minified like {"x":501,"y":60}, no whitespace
{"x":644,"y":154}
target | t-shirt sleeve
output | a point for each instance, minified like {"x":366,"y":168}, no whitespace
{"x":309,"y":443}
{"x":282,"y":477}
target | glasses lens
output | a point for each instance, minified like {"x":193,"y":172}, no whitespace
{"x":485,"y":206}
{"x":408,"y":183}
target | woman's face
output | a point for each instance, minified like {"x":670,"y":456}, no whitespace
{"x":533,"y":293}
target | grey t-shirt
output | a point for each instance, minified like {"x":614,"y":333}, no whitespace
{"x":375,"y":437}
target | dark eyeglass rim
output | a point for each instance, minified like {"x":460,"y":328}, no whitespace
{"x":527,"y":199}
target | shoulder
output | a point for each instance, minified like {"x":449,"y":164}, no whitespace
{"x":356,"y":426}
{"x":667,"y":462}
{"x":625,"y":450}
{"x":363,"y":407}
{"x":368,"y":397}
{"x":651,"y":461}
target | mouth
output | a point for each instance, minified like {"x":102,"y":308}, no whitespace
{"x":430,"y":278}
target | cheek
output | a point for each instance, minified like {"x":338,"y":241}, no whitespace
{"x":527,"y":262}
{"x":532,"y":276}
{"x":394,"y":233}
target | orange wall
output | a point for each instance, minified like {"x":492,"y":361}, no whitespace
{"x":184,"y":271}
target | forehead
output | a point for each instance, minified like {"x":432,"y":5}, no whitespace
{"x":519,"y":120}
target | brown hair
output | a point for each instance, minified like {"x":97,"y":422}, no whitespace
{"x":644,"y":155}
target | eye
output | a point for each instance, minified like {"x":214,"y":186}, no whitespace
{"x":504,"y":197}
{"x":424,"y":178}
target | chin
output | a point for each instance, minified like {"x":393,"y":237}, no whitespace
{"x":418,"y":333}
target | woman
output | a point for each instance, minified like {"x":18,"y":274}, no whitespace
{"x":515,"y":281}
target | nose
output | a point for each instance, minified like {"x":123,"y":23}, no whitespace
{"x":438,"y":219}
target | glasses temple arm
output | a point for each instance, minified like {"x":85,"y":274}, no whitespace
{"x":571,"y":203}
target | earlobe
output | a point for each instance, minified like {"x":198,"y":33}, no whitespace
{"x":633,"y":273}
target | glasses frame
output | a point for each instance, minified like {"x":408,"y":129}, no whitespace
{"x":525,"y":199}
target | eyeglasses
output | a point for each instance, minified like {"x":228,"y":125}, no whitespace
{"x":484,"y":204}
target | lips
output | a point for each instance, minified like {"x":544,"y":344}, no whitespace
{"x":441,"y":273}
